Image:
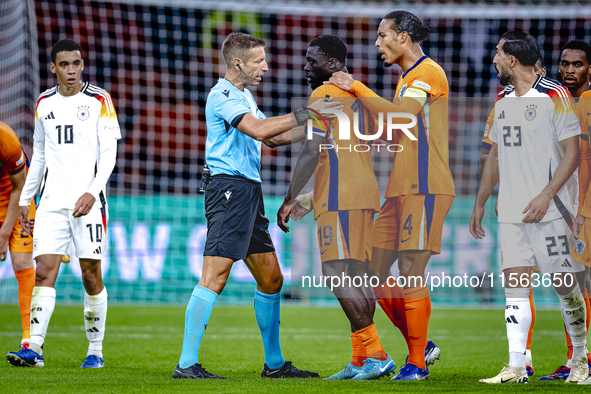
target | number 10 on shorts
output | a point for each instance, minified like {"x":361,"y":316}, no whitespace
{"x":99,"y":232}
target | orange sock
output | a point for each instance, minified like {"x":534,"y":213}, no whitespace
{"x":359,"y":354}
{"x":371,"y":342}
{"x":569,"y":345}
{"x":418,"y":313}
{"x":587,"y":307}
{"x":533,"y":318}
{"x":26,"y":282}
{"x":391,"y":299}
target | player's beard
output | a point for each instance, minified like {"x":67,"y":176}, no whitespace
{"x":505,"y":80}
{"x":387,"y":65}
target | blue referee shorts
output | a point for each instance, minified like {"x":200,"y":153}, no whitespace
{"x":236,"y":222}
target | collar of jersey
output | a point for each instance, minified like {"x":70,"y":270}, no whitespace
{"x":416,"y":64}
{"x":57,"y":90}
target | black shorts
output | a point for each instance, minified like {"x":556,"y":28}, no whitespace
{"x":236,"y":222}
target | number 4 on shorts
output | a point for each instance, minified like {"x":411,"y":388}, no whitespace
{"x":408,"y":224}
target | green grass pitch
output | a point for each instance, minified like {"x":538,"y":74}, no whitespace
{"x":143,"y":344}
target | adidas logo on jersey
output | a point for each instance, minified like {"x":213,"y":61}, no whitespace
{"x":98,"y":251}
{"x":502,"y":115}
{"x":50,"y":116}
{"x":566,"y":264}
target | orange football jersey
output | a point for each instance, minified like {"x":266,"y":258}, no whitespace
{"x":423,"y":165}
{"x":344,"y":178}
{"x":583,"y":108}
{"x":12,"y":160}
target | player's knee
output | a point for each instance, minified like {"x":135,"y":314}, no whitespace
{"x":273,"y":283}
{"x":413,"y":270}
{"x":91,"y":283}
{"x":43,"y":276}
{"x":216,"y":283}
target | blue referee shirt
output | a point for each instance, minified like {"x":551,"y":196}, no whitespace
{"x":227,"y":150}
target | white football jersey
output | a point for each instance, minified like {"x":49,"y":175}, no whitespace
{"x":71,"y":129}
{"x":528,"y":130}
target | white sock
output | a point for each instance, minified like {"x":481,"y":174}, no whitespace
{"x":528,"y":359}
{"x":95,"y":315}
{"x":518,"y":321}
{"x":517,"y":359}
{"x":574,"y":315}
{"x":569,"y":363}
{"x":42,"y":305}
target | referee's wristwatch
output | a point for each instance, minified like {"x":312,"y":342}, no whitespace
{"x":302,"y":115}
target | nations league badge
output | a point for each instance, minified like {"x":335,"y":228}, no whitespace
{"x":530,"y":112}
{"x":83,"y":113}
{"x":35,"y":245}
{"x":580,"y":246}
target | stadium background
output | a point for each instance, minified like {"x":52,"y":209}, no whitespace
{"x":159,"y":63}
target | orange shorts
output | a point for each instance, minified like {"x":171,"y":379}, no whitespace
{"x":412,"y":222}
{"x":20,"y":241}
{"x":345,"y":235}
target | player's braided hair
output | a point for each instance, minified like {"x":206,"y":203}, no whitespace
{"x":523,"y":46}
{"x":332,"y":46}
{"x":64,"y":45}
{"x":579,"y":45}
{"x":405,"y":21}
{"x":238,"y":44}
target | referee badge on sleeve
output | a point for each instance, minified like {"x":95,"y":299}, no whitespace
{"x":580,"y":246}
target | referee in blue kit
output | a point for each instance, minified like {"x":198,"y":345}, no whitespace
{"x":236,"y":224}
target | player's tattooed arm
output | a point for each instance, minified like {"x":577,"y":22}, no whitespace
{"x":490,"y":178}
{"x":408,"y":104}
{"x":537,"y":208}
{"x":12,"y":212}
{"x":304,"y":168}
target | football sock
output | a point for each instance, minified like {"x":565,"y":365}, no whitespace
{"x":391,"y":299}
{"x":574,"y":314}
{"x":26,"y":282}
{"x":533,"y":320}
{"x":371,"y":342}
{"x":587,"y":309}
{"x":95,"y":316}
{"x":42,"y":304}
{"x":518,"y":322}
{"x":418,"y":312}
{"x":267,"y":312}
{"x":197,"y":316}
{"x":528,"y":359}
{"x":359,"y":354}
{"x":569,"y":345}
{"x":517,"y":359}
